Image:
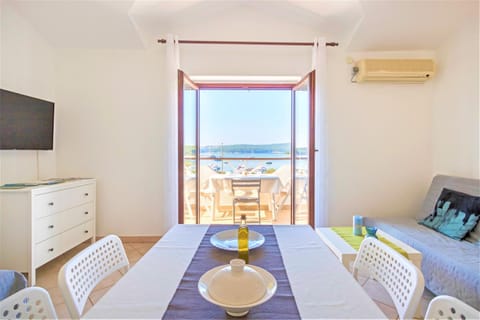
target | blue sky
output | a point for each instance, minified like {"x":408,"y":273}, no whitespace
{"x":240,"y":117}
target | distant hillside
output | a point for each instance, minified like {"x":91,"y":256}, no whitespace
{"x":282,"y":148}
{"x":275,"y":148}
{"x":248,"y":148}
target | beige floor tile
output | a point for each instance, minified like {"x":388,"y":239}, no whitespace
{"x":88,"y":306}
{"x":62,"y":311}
{"x":142,"y":248}
{"x":388,"y":310}
{"x":362,"y":279}
{"x":47,"y":280}
{"x":132,"y":253}
{"x":426,"y":298}
{"x":109,"y":281}
{"x":377,"y":292}
{"x":97,"y":294}
{"x":56,"y":295}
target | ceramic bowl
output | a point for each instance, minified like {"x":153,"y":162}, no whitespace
{"x":228,"y":240}
{"x":237,"y":287}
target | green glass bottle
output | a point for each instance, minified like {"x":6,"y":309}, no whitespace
{"x":243,"y":239}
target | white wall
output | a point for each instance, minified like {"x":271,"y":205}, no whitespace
{"x":110,"y":128}
{"x":27,"y":67}
{"x":456,"y":115}
{"x":379,"y":142}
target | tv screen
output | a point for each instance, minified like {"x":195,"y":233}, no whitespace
{"x":26,"y":123}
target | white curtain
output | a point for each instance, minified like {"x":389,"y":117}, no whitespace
{"x":170,"y":207}
{"x":319,"y":64}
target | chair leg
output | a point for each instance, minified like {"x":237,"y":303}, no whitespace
{"x":259,"y":215}
{"x":233,"y":212}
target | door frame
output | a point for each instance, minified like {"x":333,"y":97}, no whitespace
{"x":310,"y":78}
{"x":184,"y":78}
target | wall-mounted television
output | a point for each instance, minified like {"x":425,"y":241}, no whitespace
{"x":26,"y":123}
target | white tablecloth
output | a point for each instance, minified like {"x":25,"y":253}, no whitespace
{"x":321,"y":285}
{"x":269,"y":183}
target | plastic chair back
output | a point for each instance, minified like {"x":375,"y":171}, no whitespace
{"x":79,"y":276}
{"x":28,"y":303}
{"x":400,"y":278}
{"x":446,"y":307}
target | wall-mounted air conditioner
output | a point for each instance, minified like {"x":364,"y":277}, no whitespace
{"x":394,"y":70}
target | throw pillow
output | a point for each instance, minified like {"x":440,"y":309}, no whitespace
{"x":455,"y":215}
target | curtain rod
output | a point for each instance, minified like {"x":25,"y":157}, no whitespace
{"x":261,"y":43}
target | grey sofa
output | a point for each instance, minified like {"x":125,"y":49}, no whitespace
{"x":450,"y":267}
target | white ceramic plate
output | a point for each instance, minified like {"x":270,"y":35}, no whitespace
{"x":228,"y":240}
{"x":237,"y":311}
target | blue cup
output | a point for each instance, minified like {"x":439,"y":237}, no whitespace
{"x":357,"y":225}
{"x":371,"y":232}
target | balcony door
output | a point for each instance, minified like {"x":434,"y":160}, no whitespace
{"x":188,"y":152}
{"x":284,"y":164}
{"x":303,"y":149}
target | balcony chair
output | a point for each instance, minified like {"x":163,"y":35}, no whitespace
{"x":28,"y":303}
{"x":79,"y":276}
{"x":206,"y":196}
{"x":301,"y":189}
{"x":447,"y":307}
{"x":246,"y":191}
{"x":400,"y":278}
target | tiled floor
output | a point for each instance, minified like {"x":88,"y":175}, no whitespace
{"x":385,"y":303}
{"x":47,"y":278}
{"x":47,"y":275}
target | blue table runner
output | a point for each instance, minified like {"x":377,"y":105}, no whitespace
{"x":187,"y":303}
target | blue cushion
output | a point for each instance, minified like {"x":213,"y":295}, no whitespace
{"x":11,"y":282}
{"x":455,"y":215}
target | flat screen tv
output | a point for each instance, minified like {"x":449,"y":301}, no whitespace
{"x":26,"y":123}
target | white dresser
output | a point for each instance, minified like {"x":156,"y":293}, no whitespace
{"x":39,"y":223}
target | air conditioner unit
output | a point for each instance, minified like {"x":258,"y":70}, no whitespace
{"x":394,"y":70}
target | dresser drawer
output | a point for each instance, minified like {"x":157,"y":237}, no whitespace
{"x":48,"y":249}
{"x":78,"y":215}
{"x":50,"y":203}
{"x":77,"y":235}
{"x":48,"y":227}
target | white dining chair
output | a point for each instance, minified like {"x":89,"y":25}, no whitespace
{"x":246,"y":191}
{"x":447,"y":307}
{"x":79,"y":276}
{"x":400,"y":278}
{"x":28,"y":303}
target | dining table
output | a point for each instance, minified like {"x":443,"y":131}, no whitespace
{"x":312,"y":283}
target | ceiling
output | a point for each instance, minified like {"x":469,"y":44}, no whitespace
{"x":361,"y":25}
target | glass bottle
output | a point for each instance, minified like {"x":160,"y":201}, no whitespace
{"x":243,"y":239}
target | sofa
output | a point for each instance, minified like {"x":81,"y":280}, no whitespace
{"x":450,"y":267}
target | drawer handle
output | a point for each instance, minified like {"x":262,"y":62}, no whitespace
{"x":50,"y":203}
{"x":51,"y":226}
{"x":86,"y":194}
{"x":86,"y":231}
{"x":86,"y":212}
{"x":50,"y":250}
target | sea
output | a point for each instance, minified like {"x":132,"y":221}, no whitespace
{"x":248,"y":162}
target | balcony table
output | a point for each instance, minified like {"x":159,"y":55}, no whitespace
{"x":322,"y":288}
{"x":270,"y":185}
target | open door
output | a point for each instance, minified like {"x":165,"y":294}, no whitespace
{"x":303,"y":150}
{"x":188,"y":153}
{"x":302,"y":173}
